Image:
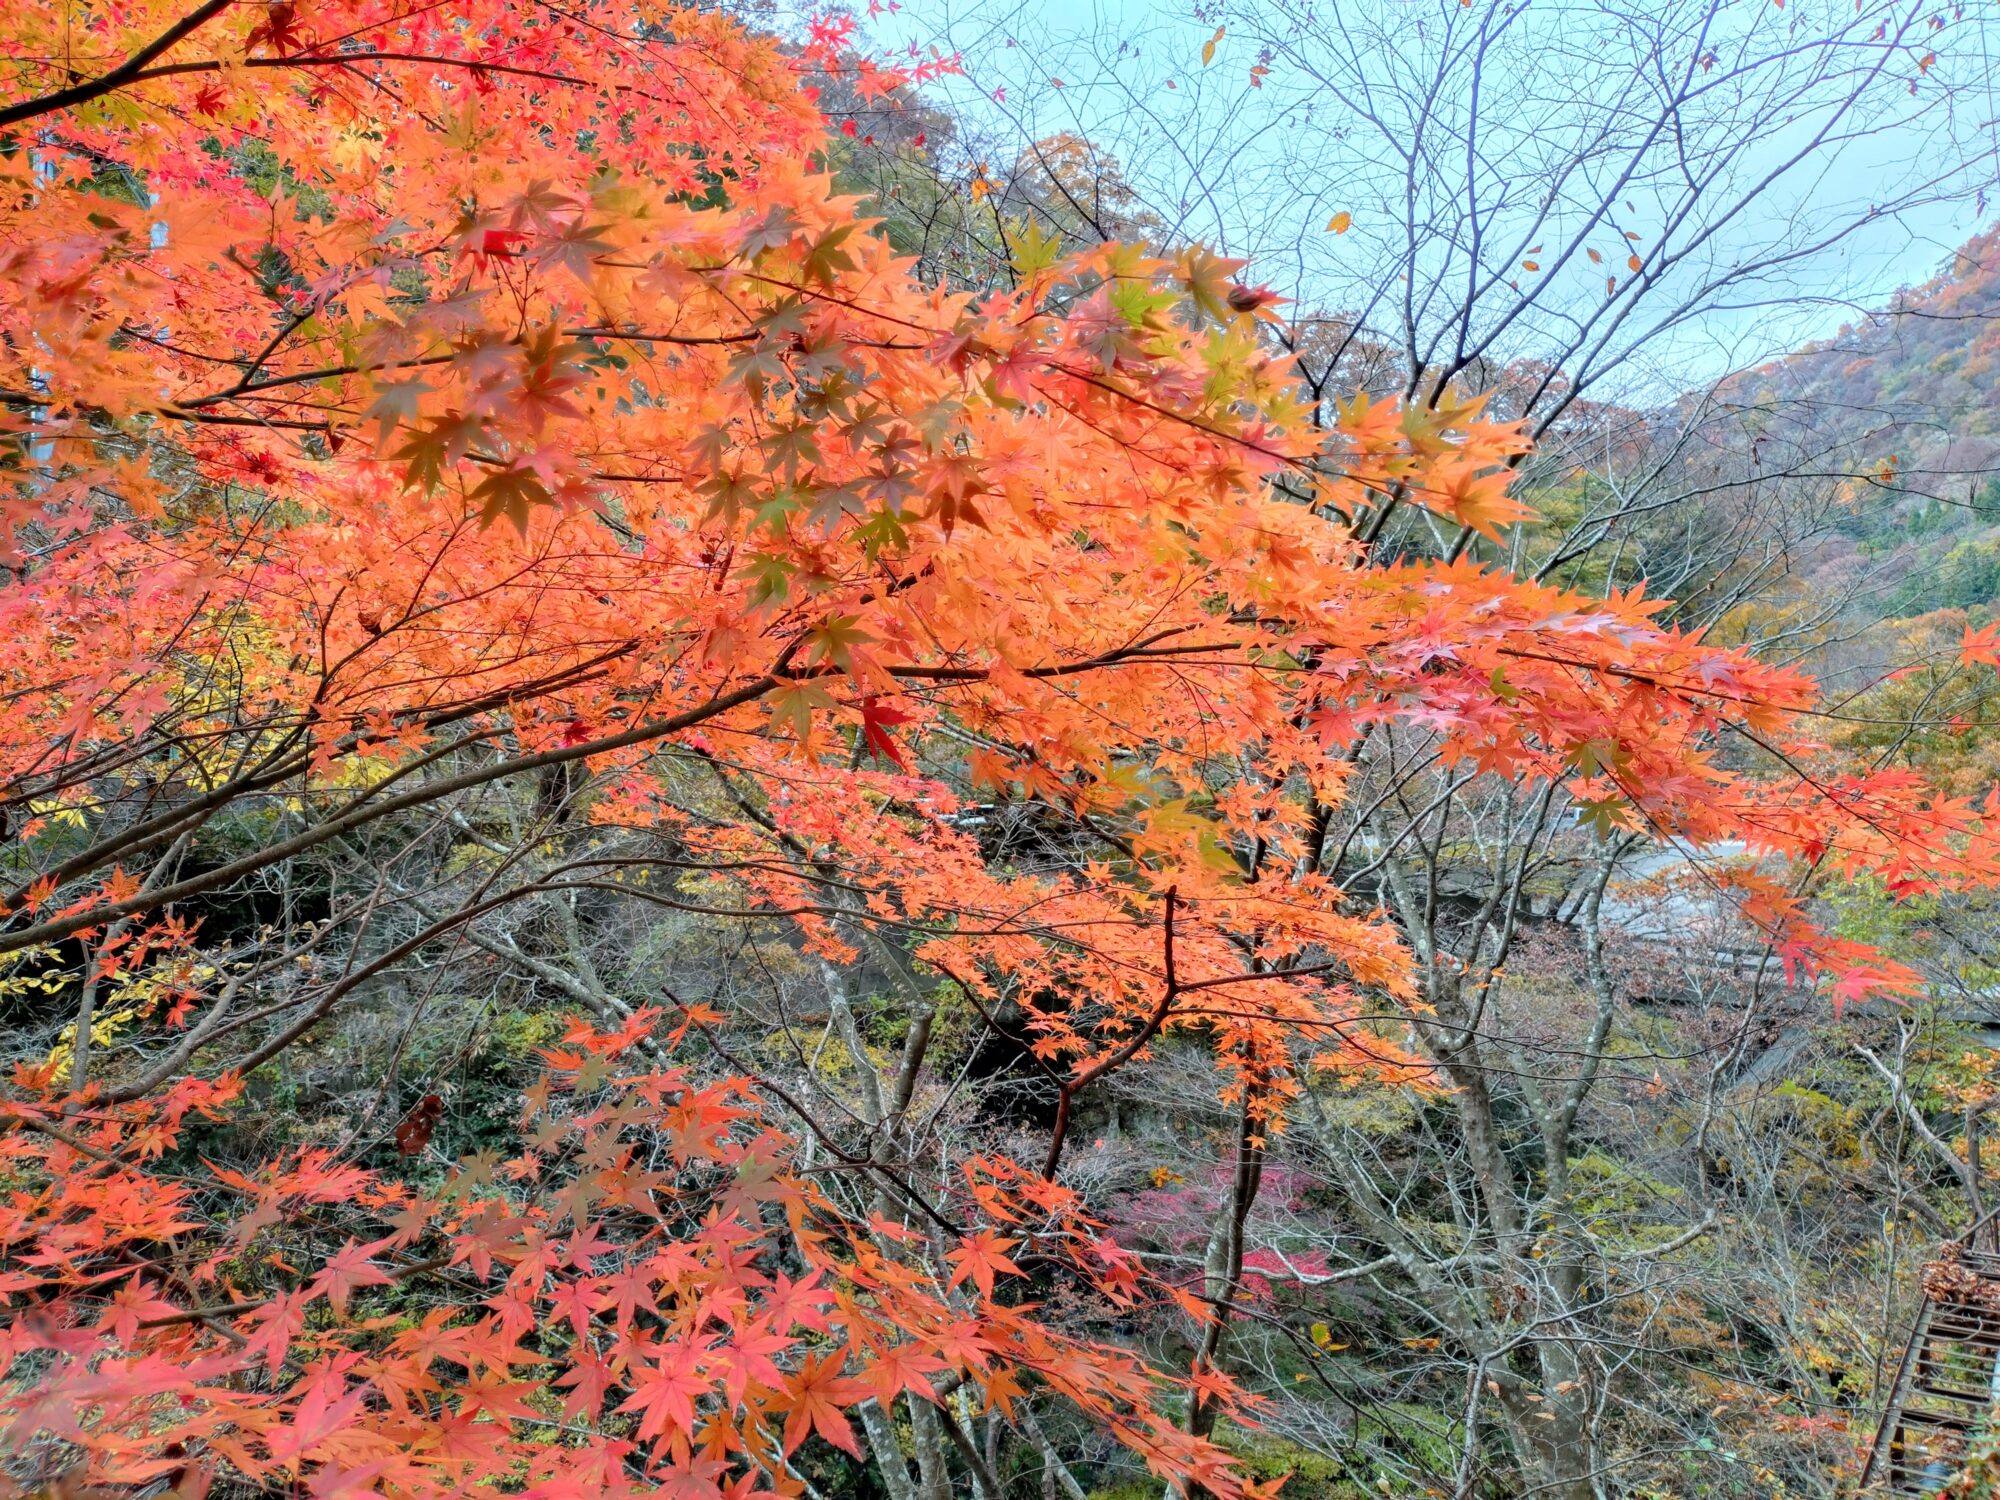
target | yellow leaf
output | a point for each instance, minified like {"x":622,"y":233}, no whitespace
{"x":1531,"y":265}
{"x":1032,"y":250}
{"x":1631,"y":262}
{"x":353,"y":150}
{"x":1208,"y":47}
{"x":1340,"y":221}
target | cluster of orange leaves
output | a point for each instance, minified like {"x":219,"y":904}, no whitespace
{"x":652,"y":1255}
{"x":383,"y":380}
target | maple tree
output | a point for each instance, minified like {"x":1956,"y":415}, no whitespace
{"x":404,"y":402}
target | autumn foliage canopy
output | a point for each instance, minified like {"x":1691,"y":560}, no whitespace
{"x":398,"y":398}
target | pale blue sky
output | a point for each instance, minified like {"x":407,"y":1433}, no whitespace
{"x":1259,"y":170}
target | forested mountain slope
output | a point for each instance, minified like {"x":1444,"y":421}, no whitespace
{"x":1912,"y":395}
{"x":1923,"y":367}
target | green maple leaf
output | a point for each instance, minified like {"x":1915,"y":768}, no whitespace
{"x":769,"y":576}
{"x":1140,"y":303}
{"x":422,"y":454}
{"x":793,"y":704}
{"x":881,"y":532}
{"x":728,"y":494}
{"x":785,"y":317}
{"x":1215,"y":854}
{"x":710,"y":443}
{"x":513,"y":493}
{"x":791,"y":448}
{"x":823,"y":355}
{"x":1605,"y":816}
{"x":831,"y":502}
{"x":937,"y":422}
{"x":834,"y":640}
{"x":1030,"y":249}
{"x":826,"y":258}
{"x":755,"y":367}
{"x":830,"y":399}
{"x":1596,"y":757}
{"x":1174,"y":816}
{"x":784,"y":502}
{"x":870,"y":425}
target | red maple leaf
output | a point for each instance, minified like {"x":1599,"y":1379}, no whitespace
{"x":131,"y":1305}
{"x":900,"y":1369}
{"x":1981,"y":646}
{"x":347,"y":1269}
{"x":979,"y":1256}
{"x":816,"y":1395}
{"x":876,"y":720}
{"x":666,"y":1393}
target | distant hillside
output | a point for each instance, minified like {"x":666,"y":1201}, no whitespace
{"x":1908,"y":399}
{"x":1926,"y":365}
